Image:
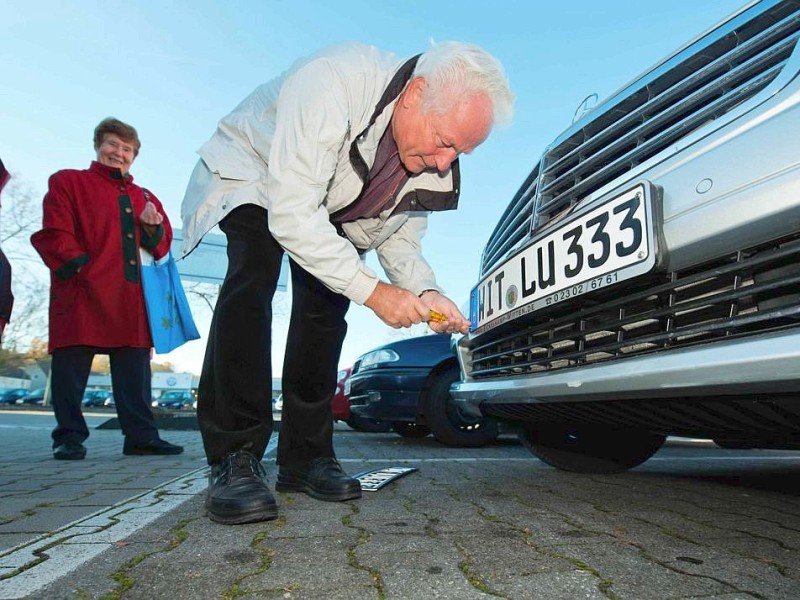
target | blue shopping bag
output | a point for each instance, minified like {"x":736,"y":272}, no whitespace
{"x":168,"y":312}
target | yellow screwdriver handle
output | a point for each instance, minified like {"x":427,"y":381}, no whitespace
{"x":436,"y":317}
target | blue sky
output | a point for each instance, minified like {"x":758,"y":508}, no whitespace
{"x":173,"y":69}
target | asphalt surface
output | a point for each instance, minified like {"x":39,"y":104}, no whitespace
{"x":693,"y":522}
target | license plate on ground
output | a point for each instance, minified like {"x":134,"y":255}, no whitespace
{"x":608,"y":244}
{"x":372,"y":481}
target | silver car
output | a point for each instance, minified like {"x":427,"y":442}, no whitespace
{"x":645,"y":279}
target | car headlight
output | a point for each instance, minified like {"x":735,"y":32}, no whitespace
{"x":376,"y":357}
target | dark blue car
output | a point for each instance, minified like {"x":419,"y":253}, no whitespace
{"x":407,"y":383}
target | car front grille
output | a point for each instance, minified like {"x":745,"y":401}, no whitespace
{"x":752,"y":291}
{"x":697,"y":86}
{"x":514,"y":225}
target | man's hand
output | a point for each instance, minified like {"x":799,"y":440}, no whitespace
{"x":396,"y":306}
{"x":455,"y":321}
{"x":151,"y":216}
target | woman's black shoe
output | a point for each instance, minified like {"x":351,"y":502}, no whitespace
{"x":238,"y":492}
{"x":69,"y":451}
{"x":321,"y":478}
{"x":153,"y":447}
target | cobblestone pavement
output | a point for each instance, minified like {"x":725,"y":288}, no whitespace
{"x":693,"y":522}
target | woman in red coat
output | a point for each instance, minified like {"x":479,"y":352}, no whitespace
{"x":93,"y":225}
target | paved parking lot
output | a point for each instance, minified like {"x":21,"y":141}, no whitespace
{"x":693,"y":522}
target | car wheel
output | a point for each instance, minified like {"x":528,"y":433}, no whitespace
{"x":590,"y":449}
{"x":410,"y":430}
{"x":448,"y":423}
{"x":364,"y":424}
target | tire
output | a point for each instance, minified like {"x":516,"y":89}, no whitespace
{"x":449,"y":424}
{"x":366,"y":425}
{"x":590,"y":449}
{"x":410,"y":430}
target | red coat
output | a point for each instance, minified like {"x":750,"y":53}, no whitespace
{"x":91,"y":222}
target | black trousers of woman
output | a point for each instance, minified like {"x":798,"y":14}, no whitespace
{"x":130,"y":382}
{"x":235,"y":392}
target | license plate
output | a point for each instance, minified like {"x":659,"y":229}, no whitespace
{"x":610,"y":243}
{"x":372,"y":481}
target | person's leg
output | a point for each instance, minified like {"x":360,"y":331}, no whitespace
{"x":131,"y":382}
{"x":69,"y":372}
{"x":234,"y":398}
{"x":305,"y":445}
{"x":317,"y":329}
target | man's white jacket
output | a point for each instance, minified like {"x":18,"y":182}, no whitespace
{"x":301,"y":146}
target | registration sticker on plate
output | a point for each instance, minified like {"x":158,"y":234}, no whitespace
{"x":608,"y":244}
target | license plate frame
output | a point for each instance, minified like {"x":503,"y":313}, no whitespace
{"x":598,"y":248}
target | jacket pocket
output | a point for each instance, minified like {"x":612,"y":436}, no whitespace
{"x":64,"y":297}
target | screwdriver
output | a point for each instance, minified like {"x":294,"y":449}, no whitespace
{"x":436,"y":317}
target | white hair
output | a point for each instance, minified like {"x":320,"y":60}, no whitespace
{"x":456,"y":70}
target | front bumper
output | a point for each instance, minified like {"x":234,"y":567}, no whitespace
{"x":388,"y":394}
{"x":763,"y":364}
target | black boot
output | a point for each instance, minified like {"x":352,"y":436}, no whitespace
{"x":237,"y":491}
{"x":321,"y":478}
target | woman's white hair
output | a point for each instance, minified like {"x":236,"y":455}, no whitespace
{"x":456,"y":70}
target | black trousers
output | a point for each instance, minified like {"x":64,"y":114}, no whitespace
{"x":130,"y":382}
{"x":234,"y":397}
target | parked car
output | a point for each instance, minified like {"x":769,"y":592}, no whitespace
{"x":11,"y":396}
{"x":645,"y":279}
{"x":407,"y":383}
{"x":95,"y":397}
{"x":35,"y":397}
{"x":340,"y":406}
{"x":340,"y":403}
{"x":175,"y":400}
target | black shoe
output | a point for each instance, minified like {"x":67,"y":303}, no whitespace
{"x":69,"y":451}
{"x":156,"y":446}
{"x":237,"y":491}
{"x":321,"y":478}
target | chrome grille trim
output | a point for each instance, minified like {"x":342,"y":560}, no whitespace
{"x":731,"y":297}
{"x":515,"y":222}
{"x":582,"y":170}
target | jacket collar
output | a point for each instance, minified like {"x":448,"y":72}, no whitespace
{"x":111,"y":173}
{"x":391,"y":92}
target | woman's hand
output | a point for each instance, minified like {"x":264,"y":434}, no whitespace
{"x":150,"y":215}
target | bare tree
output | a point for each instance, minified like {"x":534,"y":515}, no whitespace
{"x":22,"y":212}
{"x":22,"y":216}
{"x":207,"y":293}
